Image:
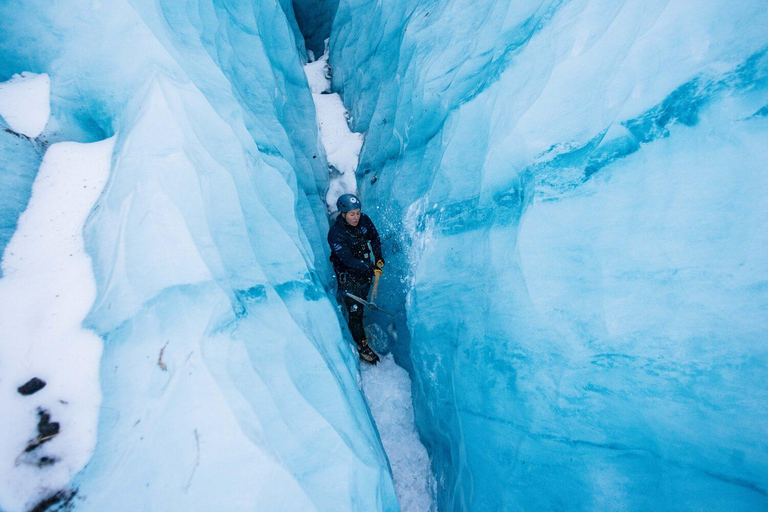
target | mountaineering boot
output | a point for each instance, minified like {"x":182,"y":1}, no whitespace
{"x":366,"y":354}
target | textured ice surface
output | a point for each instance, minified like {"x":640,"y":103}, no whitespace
{"x":582,"y":190}
{"x":226,"y":382}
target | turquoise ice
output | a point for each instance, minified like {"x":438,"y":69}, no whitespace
{"x":226,"y":381}
{"x":572,"y":196}
{"x":577,"y":191}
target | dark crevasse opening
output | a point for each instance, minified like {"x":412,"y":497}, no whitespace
{"x":315,"y":20}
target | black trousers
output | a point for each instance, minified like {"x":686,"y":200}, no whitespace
{"x":359,"y":286}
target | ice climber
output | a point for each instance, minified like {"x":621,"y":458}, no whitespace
{"x":353,"y":240}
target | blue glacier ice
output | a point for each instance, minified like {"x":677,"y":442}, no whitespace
{"x":226,"y":381}
{"x":574,"y":198}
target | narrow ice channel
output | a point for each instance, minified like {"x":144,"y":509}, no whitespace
{"x":387,"y":386}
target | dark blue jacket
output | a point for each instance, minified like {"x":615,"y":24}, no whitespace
{"x":349,"y":246}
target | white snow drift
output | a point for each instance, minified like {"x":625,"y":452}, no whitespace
{"x":342,"y":145}
{"x":45,"y":294}
{"x":25,"y":104}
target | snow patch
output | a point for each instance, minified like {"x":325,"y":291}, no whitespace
{"x":25,"y":103}
{"x":46,"y":293}
{"x":317,"y":75}
{"x":388,"y":392}
{"x":342,"y":145}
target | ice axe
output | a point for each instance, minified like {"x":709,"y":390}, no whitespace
{"x":371,"y":305}
{"x":375,"y":292}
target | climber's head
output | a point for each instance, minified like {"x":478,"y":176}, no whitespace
{"x":347,"y":202}
{"x":349,"y":206}
{"x":352,"y":216}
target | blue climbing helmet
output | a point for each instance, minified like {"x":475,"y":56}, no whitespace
{"x":348,"y":202}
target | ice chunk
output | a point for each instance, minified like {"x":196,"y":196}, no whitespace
{"x":45,"y":294}
{"x":24,"y":112}
{"x":25,"y":103}
{"x":19,"y":161}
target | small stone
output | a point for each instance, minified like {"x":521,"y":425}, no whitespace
{"x":46,"y":430}
{"x":46,"y":461}
{"x":33,"y":386}
{"x":60,"y":500}
{"x":45,"y":427}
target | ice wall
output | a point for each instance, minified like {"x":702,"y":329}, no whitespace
{"x":574,"y":195}
{"x":24,"y":113}
{"x":19,"y":160}
{"x":226,"y":383}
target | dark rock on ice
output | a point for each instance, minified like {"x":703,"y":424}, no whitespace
{"x":32,"y":386}
{"x":45,"y":427}
{"x":60,"y":500}
{"x":46,"y":430}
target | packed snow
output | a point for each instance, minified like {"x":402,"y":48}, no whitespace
{"x":387,"y":386}
{"x":25,"y":103}
{"x":387,"y":389}
{"x":46,"y":292}
{"x":342,"y":145}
